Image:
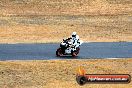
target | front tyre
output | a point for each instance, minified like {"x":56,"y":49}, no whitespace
{"x":59,"y":52}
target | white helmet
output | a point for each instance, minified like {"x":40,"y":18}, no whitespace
{"x":74,"y":34}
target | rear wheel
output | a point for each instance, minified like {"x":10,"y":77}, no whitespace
{"x":75,"y":53}
{"x":78,"y":49}
{"x":59,"y":52}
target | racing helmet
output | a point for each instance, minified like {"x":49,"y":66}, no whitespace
{"x":74,"y":34}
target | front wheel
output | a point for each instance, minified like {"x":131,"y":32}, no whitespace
{"x":59,"y":52}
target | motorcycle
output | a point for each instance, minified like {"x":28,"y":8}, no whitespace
{"x":67,"y":48}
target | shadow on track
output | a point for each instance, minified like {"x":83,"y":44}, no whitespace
{"x":70,"y":57}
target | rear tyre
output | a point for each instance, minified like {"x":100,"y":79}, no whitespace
{"x":59,"y":52}
{"x":78,"y":49}
{"x":75,"y":53}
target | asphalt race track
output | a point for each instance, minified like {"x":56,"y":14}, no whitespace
{"x":47,"y":51}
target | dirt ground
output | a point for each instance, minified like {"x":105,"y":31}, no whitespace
{"x":65,"y":7}
{"x":51,"y":29}
{"x":49,"y":21}
{"x":59,"y":73}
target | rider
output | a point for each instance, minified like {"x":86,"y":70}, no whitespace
{"x":75,"y":40}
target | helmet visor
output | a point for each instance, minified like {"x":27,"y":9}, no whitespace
{"x":73,"y":35}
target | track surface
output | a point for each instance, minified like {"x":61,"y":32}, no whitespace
{"x":47,"y":51}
